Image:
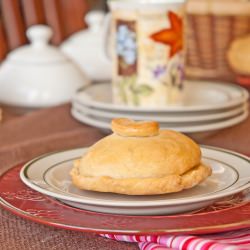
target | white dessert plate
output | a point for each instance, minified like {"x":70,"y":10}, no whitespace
{"x":49,"y":174}
{"x":194,"y":127}
{"x":162,"y":117}
{"x":199,"y":96}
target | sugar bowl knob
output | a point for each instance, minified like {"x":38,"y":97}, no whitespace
{"x":39,"y":35}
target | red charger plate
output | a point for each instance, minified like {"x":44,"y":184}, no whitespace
{"x":230,"y":214}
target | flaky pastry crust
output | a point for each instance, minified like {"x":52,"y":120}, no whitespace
{"x":141,"y":186}
{"x":140,"y":159}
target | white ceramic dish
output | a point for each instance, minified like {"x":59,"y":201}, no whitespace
{"x":199,"y":96}
{"x":104,"y":124}
{"x":162,"y":117}
{"x":38,"y":75}
{"x":79,"y":48}
{"x":49,"y":174}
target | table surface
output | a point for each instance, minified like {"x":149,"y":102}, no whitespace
{"x":54,"y":129}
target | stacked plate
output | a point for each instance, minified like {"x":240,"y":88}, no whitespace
{"x":207,"y":106}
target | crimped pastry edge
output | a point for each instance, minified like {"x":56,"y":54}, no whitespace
{"x":144,"y":186}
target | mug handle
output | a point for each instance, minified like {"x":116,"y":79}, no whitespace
{"x":106,"y":36}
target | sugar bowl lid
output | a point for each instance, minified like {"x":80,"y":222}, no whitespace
{"x":39,"y":50}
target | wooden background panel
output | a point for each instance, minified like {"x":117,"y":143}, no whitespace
{"x":3,"y":42}
{"x":13,"y":23}
{"x":64,"y":16}
{"x":33,"y":12}
{"x":73,"y":13}
{"x":54,"y":19}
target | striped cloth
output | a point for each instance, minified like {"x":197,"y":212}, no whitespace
{"x":235,"y":240}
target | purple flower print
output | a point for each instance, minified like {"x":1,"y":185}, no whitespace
{"x":159,"y":71}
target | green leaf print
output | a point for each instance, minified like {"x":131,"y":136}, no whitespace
{"x":129,"y":90}
{"x":144,"y":90}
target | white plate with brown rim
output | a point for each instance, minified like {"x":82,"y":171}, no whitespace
{"x":49,"y":174}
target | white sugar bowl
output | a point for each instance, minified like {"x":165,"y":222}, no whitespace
{"x":87,"y":48}
{"x":39,"y":75}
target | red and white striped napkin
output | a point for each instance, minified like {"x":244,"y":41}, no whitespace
{"x":235,"y":240}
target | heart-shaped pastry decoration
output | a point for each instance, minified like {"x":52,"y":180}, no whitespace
{"x":127,"y":127}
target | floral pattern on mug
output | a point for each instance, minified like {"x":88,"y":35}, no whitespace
{"x":130,"y":91}
{"x":171,"y":75}
{"x":147,"y":56}
{"x":126,"y":47}
{"x":176,"y":72}
{"x":159,"y":71}
{"x":172,"y":36}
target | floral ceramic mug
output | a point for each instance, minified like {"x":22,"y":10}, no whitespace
{"x":147,"y":52}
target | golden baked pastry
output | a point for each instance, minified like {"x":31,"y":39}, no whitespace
{"x":239,"y":55}
{"x":140,"y":159}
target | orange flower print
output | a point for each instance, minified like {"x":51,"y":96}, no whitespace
{"x":172,"y":36}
